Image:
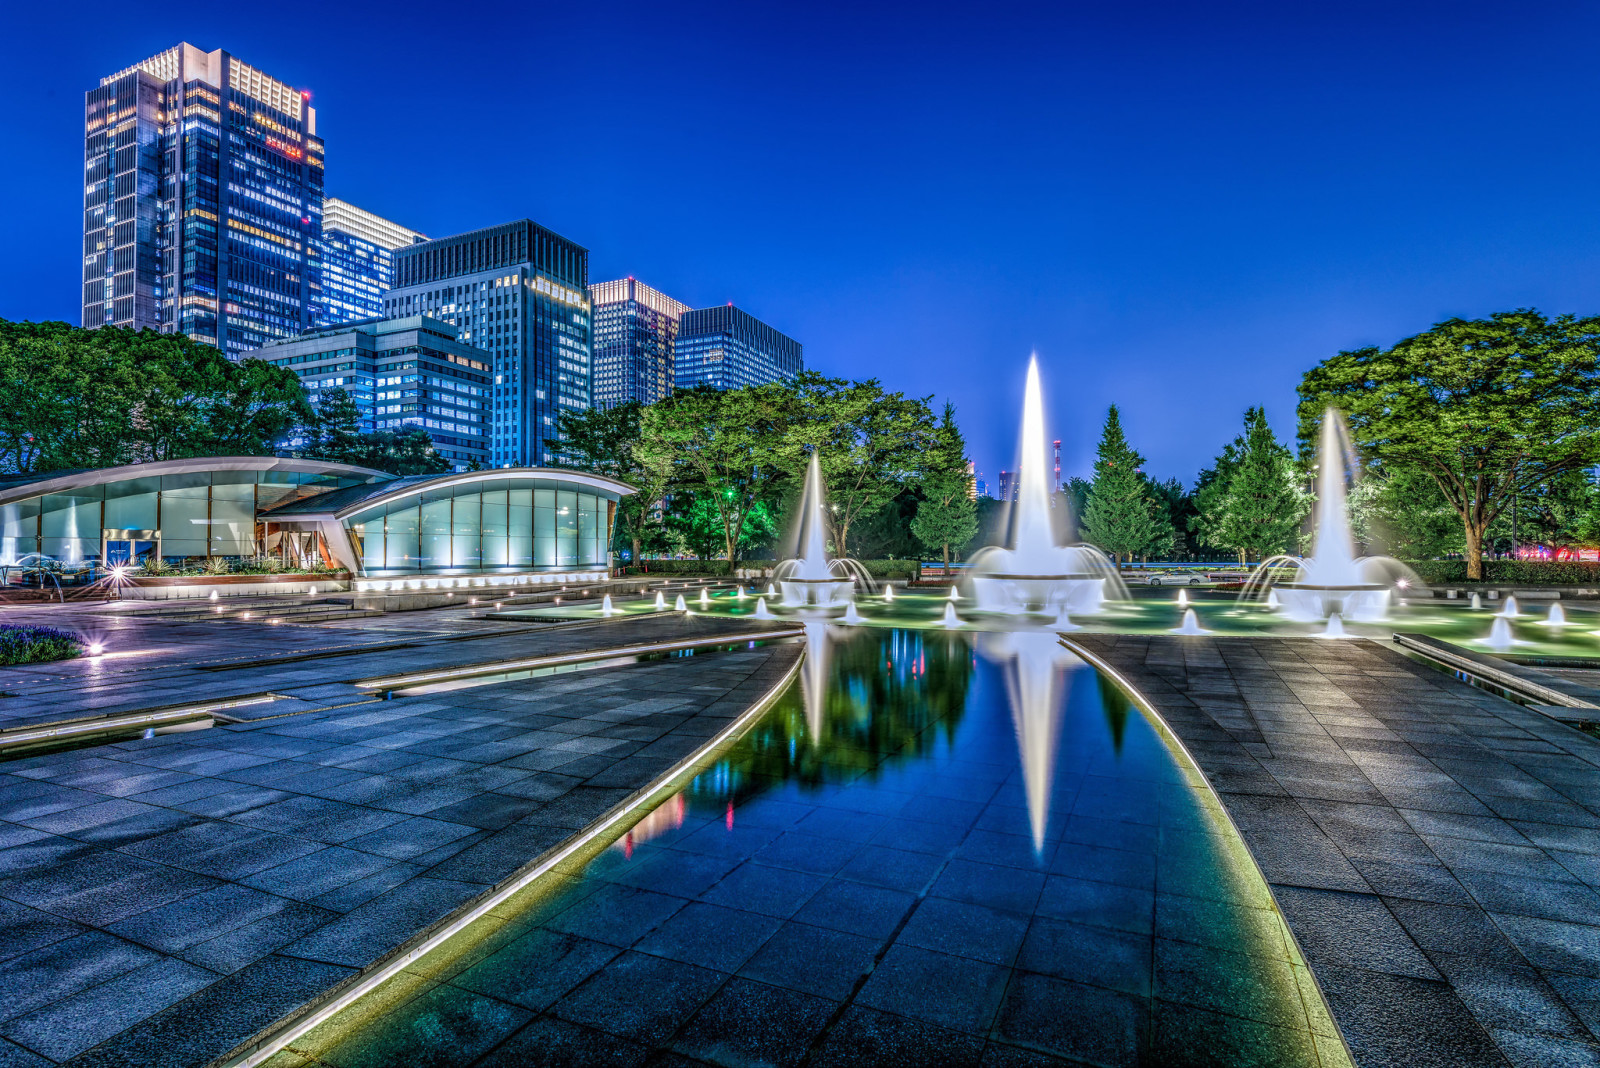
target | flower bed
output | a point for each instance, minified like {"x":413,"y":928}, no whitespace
{"x":37,"y":645}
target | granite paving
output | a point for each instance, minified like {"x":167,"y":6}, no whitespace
{"x":1434,"y":848}
{"x":163,"y":899}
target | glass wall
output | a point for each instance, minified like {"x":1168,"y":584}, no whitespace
{"x":197,"y":513}
{"x":495,"y":523}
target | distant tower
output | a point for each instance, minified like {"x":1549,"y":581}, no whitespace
{"x":1058,"y":465}
{"x":1008,"y":486}
{"x":974,"y":480}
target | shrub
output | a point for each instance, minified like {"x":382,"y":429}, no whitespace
{"x":1511,"y":572}
{"x":37,"y":645}
{"x":217,"y":565}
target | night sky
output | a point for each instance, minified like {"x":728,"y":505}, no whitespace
{"x":1181,"y":207}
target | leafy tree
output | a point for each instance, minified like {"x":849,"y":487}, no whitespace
{"x":1404,"y":513}
{"x":1254,"y":504}
{"x":948,"y":515}
{"x":1487,"y":408}
{"x":1180,"y":508}
{"x":725,"y":445}
{"x":870,"y":443}
{"x":606,"y":441}
{"x":336,"y":435}
{"x":1120,"y":516}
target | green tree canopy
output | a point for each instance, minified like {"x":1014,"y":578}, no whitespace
{"x":336,"y":435}
{"x":948,"y":514}
{"x":1254,"y":503}
{"x":606,"y":442}
{"x":1121,"y":516}
{"x":1487,"y":408}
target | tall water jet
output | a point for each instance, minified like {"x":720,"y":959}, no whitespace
{"x":950,"y":617}
{"x":762,"y":611}
{"x":1033,"y":573}
{"x":1509,"y":609}
{"x":812,"y":580}
{"x":1333,"y":580}
{"x":1500,"y":634}
{"x":1190,"y":625}
{"x":661,"y":602}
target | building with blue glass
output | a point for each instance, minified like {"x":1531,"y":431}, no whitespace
{"x":519,"y":292}
{"x":727,"y":348}
{"x":357,"y":254}
{"x":400,"y":373}
{"x":202,"y":201}
{"x":635,"y":336}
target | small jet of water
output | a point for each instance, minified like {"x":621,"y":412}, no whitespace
{"x":1500,"y":634}
{"x":742,"y":594}
{"x":1335,"y":627}
{"x":771,"y":590}
{"x":1191,"y":624}
{"x":607,"y":608}
{"x":213,"y":596}
{"x":1272,"y":600}
{"x":679,"y":605}
{"x":1509,"y":610}
{"x":888,"y":593}
{"x":1558,"y":616}
{"x":762,"y":612}
{"x":851,"y":616}
{"x":954,"y":596}
{"x":950,"y":617}
{"x":661,"y":602}
{"x":705,"y":598}
{"x":1477,"y":603}
{"x":1064,"y":621}
{"x":1183,"y":598}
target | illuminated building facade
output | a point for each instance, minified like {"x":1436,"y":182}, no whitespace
{"x":202,"y":201}
{"x":519,"y":292}
{"x":727,"y":348}
{"x":400,"y":373}
{"x":357,"y":261}
{"x":635,"y":333}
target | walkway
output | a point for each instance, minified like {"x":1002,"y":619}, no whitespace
{"x":1435,"y":849}
{"x":161,"y":900}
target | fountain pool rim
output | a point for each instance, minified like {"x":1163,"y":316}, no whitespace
{"x":1357,"y":588}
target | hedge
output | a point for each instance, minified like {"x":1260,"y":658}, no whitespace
{"x":37,"y":645}
{"x":878,"y":569}
{"x":1511,"y":572}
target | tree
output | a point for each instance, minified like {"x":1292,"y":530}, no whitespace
{"x":1254,"y":504}
{"x":335,"y":435}
{"x":948,"y":515}
{"x":1120,"y":516}
{"x":1487,"y":408}
{"x":606,"y":441}
{"x":1403,"y":512}
{"x":723,"y":444}
{"x":870,"y":444}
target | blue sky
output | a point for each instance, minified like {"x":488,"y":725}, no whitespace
{"x":1180,"y":207}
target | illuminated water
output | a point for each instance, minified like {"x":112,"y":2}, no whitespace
{"x":944,"y":847}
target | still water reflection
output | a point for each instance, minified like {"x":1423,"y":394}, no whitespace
{"x":936,"y":849}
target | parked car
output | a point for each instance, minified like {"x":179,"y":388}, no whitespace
{"x":1170,"y":577}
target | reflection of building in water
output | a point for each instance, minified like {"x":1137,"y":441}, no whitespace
{"x":668,"y":817}
{"x":1034,"y":663}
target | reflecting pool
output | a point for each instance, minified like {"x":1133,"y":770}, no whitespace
{"x":936,"y":848}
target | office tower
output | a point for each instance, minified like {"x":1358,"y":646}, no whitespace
{"x":400,"y":372}
{"x":357,"y":261}
{"x":1008,"y":486}
{"x":981,"y":486}
{"x":167,"y":242}
{"x":635,"y":333}
{"x":519,"y":292}
{"x":728,"y":349}
{"x":974,"y":482}
{"x":1057,"y":487}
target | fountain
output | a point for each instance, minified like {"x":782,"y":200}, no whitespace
{"x":1191,"y":624}
{"x":1034,"y":574}
{"x":679,"y":605}
{"x":742,"y":594}
{"x":955,"y":594}
{"x":1477,"y":603}
{"x":1272,"y":600}
{"x":888,"y":593}
{"x":1038,"y":670}
{"x":661,"y":602}
{"x":1509,"y":609}
{"x":607,"y":608}
{"x":1558,"y":617}
{"x":705,"y":598}
{"x":1183,"y":598}
{"x":212,"y":596}
{"x":1335,"y":627}
{"x":1500,"y":634}
{"x":950,"y":617}
{"x":851,"y":616}
{"x":762,"y":611}
{"x":1332,"y":580}
{"x":1064,"y":621}
{"x":811,"y":580}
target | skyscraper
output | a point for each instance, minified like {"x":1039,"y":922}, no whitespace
{"x":167,"y":242}
{"x":728,"y":349}
{"x":519,"y":292}
{"x":1008,"y":486}
{"x":357,"y":261}
{"x":635,"y":335}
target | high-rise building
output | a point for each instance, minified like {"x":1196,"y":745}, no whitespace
{"x":519,"y":292}
{"x":202,"y":201}
{"x":400,"y":373}
{"x":1008,"y":486}
{"x":357,"y":261}
{"x":635,"y":335}
{"x":729,"y":349}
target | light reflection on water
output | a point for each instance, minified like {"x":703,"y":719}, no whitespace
{"x":938,"y":841}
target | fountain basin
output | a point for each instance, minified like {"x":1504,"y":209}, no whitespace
{"x":817,"y":593}
{"x":1049,"y":594}
{"x":1366,"y":602}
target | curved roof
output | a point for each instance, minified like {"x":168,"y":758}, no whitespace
{"x":345,"y":502}
{"x":21,"y":487}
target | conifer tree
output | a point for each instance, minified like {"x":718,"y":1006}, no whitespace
{"x":1121,"y":516}
{"x":1255,"y":504}
{"x":948,"y":514}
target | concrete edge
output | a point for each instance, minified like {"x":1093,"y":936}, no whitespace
{"x":1149,"y":709}
{"x":267,"y":1042}
{"x":1522,"y":680}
